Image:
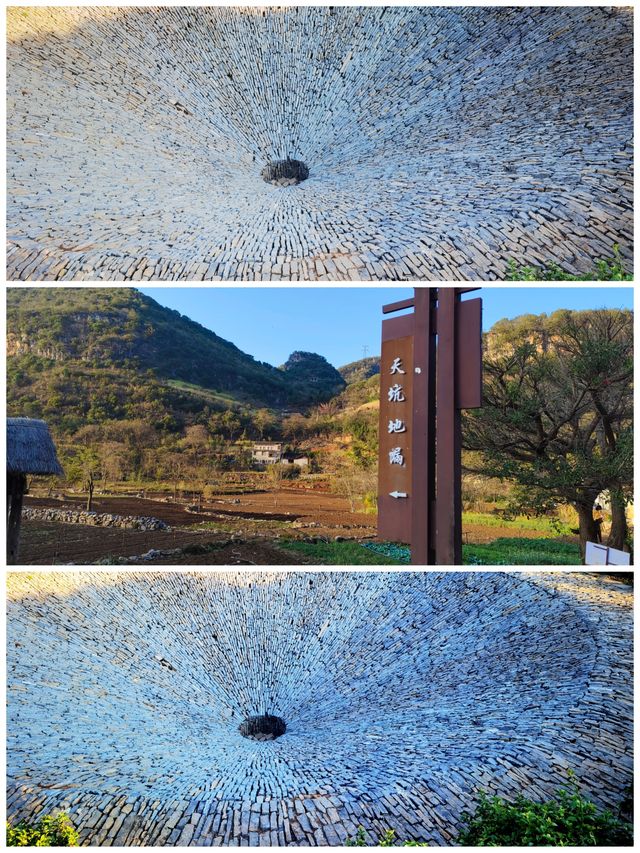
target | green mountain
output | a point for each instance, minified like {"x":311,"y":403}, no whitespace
{"x":308,"y":369}
{"x":356,"y":371}
{"x":77,"y":356}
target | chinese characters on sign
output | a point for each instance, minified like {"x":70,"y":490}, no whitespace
{"x":396,"y":375}
{"x":395,"y":456}
{"x":396,"y":395}
{"x":396,"y":426}
{"x":430,"y":369}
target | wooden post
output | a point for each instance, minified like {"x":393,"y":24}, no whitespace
{"x":449,"y":439}
{"x":423,"y":424}
{"x":440,"y":344}
{"x":16,"y":484}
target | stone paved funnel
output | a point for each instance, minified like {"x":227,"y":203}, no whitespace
{"x":401,"y":694}
{"x":440,"y":142}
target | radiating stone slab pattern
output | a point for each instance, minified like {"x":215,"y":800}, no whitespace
{"x":402,"y":694}
{"x":440,"y":142}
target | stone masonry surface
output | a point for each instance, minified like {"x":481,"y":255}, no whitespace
{"x":94,"y":519}
{"x":440,"y":142}
{"x":402,"y":693}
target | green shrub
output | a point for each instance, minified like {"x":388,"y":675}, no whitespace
{"x":48,"y":831}
{"x":290,"y":472}
{"x":608,"y":269}
{"x":387,"y":839}
{"x":370,"y":502}
{"x":568,"y":819}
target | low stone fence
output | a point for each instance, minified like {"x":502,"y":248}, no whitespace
{"x":94,"y":519}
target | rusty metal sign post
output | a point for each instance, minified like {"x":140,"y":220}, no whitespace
{"x":430,"y":369}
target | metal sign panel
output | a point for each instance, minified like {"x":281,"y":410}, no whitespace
{"x":395,"y":432}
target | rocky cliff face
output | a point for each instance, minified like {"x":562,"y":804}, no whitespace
{"x":21,"y":344}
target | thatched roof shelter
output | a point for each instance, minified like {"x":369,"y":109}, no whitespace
{"x":30,"y":448}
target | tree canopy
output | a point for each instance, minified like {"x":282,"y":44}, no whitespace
{"x":557,"y":415}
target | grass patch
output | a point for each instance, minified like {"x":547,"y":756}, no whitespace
{"x":339,"y":553}
{"x":542,"y":525}
{"x":211,"y":527}
{"x":219,"y":397}
{"x":517,"y":551}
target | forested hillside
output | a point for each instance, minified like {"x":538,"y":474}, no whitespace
{"x":356,"y":371}
{"x":80,"y":356}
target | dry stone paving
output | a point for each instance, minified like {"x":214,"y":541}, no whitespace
{"x":440,"y":142}
{"x":402,"y":694}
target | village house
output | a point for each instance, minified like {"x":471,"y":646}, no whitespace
{"x":271,"y":453}
{"x":292,"y":459}
{"x":267,"y":452}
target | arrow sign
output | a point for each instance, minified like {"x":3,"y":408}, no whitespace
{"x":399,"y":494}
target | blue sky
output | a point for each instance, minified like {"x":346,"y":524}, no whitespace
{"x":341,"y":323}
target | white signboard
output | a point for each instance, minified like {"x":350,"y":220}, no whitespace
{"x":600,"y":555}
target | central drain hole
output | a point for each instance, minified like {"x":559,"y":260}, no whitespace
{"x":263,"y":727}
{"x":285,"y":173}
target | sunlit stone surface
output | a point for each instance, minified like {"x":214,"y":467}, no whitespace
{"x":441,"y":142}
{"x":402,"y":694}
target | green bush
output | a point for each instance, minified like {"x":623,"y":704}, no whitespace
{"x":608,"y":269}
{"x":566,"y":820}
{"x":370,"y":502}
{"x":387,"y":839}
{"x":48,"y":831}
{"x":290,"y":472}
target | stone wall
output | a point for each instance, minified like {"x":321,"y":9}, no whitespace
{"x":402,"y":693}
{"x":440,"y":142}
{"x":94,"y":519}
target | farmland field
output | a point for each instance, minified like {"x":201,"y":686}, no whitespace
{"x":257,"y":526}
